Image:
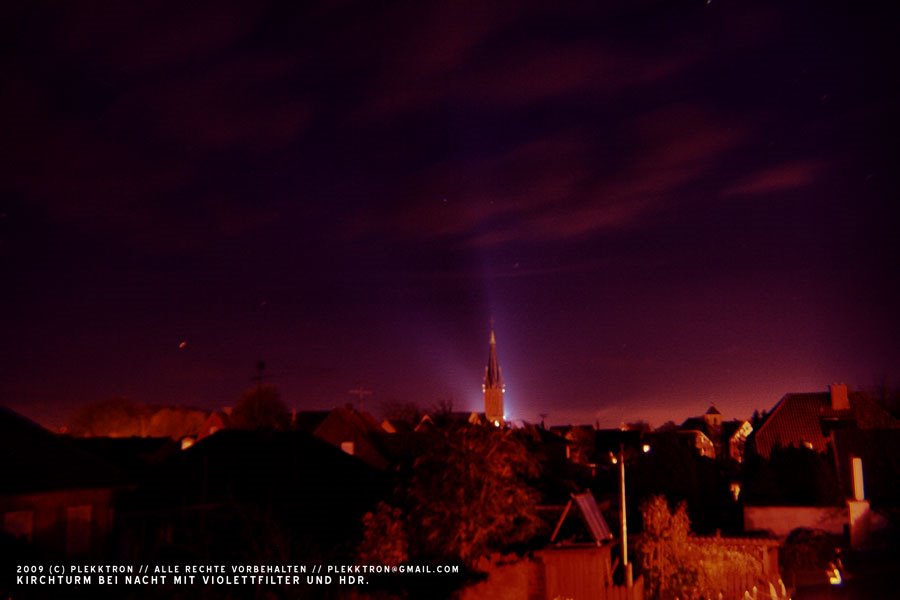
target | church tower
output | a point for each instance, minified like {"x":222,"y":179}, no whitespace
{"x":493,"y":386}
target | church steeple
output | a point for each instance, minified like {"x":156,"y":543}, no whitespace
{"x":493,"y":385}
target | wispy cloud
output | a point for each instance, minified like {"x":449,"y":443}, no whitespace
{"x":553,"y":188}
{"x":778,"y":178}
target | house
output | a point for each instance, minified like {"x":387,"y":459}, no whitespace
{"x":580,"y":442}
{"x":250,"y":494}
{"x":55,"y":496}
{"x":698,"y":441}
{"x":454,"y":418}
{"x":879,"y":453}
{"x":353,"y":431}
{"x":807,"y":420}
{"x":855,"y":518}
{"x":713,"y":437}
{"x":217,"y":420}
{"x":859,"y":436}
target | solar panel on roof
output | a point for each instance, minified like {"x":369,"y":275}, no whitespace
{"x":592,"y":516}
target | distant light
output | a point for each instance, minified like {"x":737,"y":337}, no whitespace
{"x":645,"y":448}
{"x":187,"y":442}
{"x":834,"y":575}
{"x":496,"y":423}
{"x":182,"y":345}
{"x":613,"y":459}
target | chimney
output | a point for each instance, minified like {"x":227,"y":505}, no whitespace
{"x":839,"y":399}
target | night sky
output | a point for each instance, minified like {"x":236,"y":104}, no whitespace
{"x":661,"y":204}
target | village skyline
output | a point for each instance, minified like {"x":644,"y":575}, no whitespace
{"x":655,"y":411}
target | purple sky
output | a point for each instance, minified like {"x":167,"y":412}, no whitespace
{"x":662,"y":204}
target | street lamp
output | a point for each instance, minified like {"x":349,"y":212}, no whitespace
{"x":629,"y":579}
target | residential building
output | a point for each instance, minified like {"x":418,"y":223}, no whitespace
{"x":807,"y":420}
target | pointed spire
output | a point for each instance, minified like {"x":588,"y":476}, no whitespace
{"x":493,"y":385}
{"x":492,"y":376}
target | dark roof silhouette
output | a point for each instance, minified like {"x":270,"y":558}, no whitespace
{"x":694,"y":423}
{"x":33,"y":459}
{"x":131,"y":456}
{"x":806,"y":419}
{"x":257,"y":463}
{"x":310,"y":492}
{"x":308,"y":420}
{"x":723,"y":432}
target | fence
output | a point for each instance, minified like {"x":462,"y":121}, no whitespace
{"x":635,"y":592}
{"x":744,"y":588}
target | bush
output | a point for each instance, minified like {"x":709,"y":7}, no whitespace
{"x":679,"y":565}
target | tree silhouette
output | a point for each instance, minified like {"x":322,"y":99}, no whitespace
{"x":678,"y":565}
{"x":116,"y":417}
{"x":385,"y":540}
{"x":673,"y":468}
{"x":467,"y":496}
{"x":261,"y":408}
{"x":665,"y":548}
{"x":175,"y":422}
{"x":402,"y":412}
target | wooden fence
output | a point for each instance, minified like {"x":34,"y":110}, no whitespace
{"x":743,"y":588}
{"x":635,"y":592}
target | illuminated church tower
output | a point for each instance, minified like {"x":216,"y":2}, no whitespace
{"x":493,"y":386}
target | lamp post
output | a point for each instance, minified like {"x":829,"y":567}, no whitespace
{"x":629,"y":579}
{"x":622,"y":510}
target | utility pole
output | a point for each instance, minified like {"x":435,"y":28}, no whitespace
{"x":623,"y":508}
{"x":622,"y":511}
